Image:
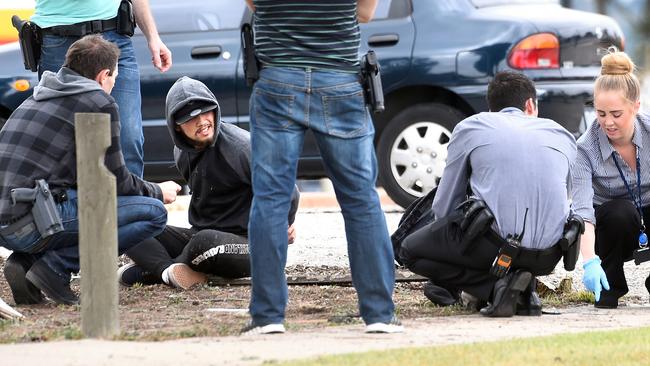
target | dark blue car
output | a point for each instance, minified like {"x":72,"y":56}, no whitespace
{"x":437,"y":57}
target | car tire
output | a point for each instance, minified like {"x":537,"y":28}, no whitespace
{"x":412,"y":150}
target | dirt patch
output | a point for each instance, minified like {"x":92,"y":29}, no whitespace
{"x":160,"y":312}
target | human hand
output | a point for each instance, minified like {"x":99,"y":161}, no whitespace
{"x":169,"y":191}
{"x":594,"y":277}
{"x":161,"y":56}
{"x":292,"y":234}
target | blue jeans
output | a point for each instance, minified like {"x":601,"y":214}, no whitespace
{"x":138,"y":218}
{"x":126,"y":91}
{"x":284,"y":104}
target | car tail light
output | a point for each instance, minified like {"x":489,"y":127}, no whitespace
{"x":539,"y":51}
{"x":21,"y":85}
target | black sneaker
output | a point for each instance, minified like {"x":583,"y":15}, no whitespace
{"x":529,"y":303}
{"x":54,"y":287}
{"x":23,"y":291}
{"x":505,"y":294}
{"x":252,"y":329}
{"x":439,"y":295}
{"x":130,"y":274}
{"x":609,"y":299}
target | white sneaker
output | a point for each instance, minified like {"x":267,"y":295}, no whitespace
{"x":252,"y":329}
{"x":182,"y":276}
{"x":394,"y":326}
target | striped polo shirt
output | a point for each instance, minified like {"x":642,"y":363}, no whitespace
{"x":320,"y":34}
{"x":596,"y":179}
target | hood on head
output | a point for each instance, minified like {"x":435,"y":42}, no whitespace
{"x":64,"y":83}
{"x":189,"y":91}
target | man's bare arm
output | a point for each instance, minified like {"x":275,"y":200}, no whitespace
{"x":250,"y":4}
{"x":365,"y":10}
{"x":161,"y":56}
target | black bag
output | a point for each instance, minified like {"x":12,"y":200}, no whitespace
{"x":411,"y":217}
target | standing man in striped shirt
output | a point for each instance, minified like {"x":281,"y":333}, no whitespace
{"x":309,"y":53}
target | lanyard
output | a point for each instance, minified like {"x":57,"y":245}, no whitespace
{"x":636,"y":200}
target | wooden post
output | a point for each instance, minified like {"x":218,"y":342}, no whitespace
{"x":97,"y":227}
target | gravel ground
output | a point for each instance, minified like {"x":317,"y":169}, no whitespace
{"x":321,"y":241}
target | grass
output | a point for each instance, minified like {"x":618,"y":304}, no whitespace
{"x":623,"y":347}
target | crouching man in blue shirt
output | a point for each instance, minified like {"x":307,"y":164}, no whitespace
{"x":501,"y":206}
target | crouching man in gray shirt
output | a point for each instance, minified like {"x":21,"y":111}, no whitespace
{"x":514,"y":167}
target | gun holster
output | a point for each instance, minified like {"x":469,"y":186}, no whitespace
{"x":45,"y":214}
{"x":570,"y":242}
{"x":476,"y":221}
{"x":125,"y":18}
{"x":371,"y":80}
{"x":251,"y":65}
{"x":29,"y":37}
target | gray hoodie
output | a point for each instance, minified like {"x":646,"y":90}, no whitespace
{"x":65,"y":83}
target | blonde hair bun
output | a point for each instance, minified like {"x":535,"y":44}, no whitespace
{"x":616,"y":63}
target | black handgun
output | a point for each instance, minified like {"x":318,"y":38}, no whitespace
{"x":44,"y":211}
{"x":251,"y":65}
{"x":570,"y":242}
{"x":29,"y":37}
{"x":371,"y":76}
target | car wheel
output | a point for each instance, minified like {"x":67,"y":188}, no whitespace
{"x":412,"y":150}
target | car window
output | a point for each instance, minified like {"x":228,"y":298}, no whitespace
{"x":173,"y":16}
{"x":486,"y":3}
{"x":389,"y":9}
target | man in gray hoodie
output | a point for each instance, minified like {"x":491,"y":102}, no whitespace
{"x":214,"y":158}
{"x":38,"y":142}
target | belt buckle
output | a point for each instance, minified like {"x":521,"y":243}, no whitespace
{"x":96,"y":26}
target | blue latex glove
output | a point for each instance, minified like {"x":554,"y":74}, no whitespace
{"x":594,"y":278}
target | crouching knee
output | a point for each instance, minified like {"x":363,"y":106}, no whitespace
{"x":218,"y":253}
{"x":404,"y":255}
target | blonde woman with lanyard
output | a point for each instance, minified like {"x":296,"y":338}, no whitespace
{"x":613,"y":157}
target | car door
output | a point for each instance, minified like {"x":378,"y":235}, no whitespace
{"x":204,"y":39}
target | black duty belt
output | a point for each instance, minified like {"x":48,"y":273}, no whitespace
{"x":83,"y":28}
{"x":524,"y":253}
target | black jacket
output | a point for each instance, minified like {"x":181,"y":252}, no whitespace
{"x":219,"y":176}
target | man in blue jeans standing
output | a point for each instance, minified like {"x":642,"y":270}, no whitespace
{"x":38,"y":143}
{"x":310,"y":80}
{"x":64,"y":21}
